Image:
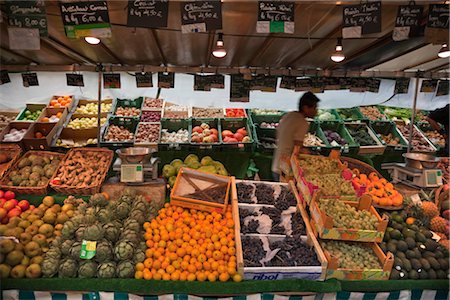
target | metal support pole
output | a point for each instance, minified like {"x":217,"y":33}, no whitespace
{"x":413,"y":115}
{"x":99,"y":106}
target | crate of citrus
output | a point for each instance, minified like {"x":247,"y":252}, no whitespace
{"x":62,"y":101}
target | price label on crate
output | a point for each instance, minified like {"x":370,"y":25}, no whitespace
{"x":88,"y":249}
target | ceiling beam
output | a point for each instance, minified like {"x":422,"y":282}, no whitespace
{"x":111,"y":53}
{"x":420,"y":63}
{"x":18,"y":55}
{"x":209,"y":47}
{"x":158,"y":45}
{"x":440,"y":67}
{"x":63,"y":49}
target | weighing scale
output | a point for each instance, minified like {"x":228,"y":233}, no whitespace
{"x":135,"y":165}
{"x":417,"y":178}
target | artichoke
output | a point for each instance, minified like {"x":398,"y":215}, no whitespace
{"x":78,"y":219}
{"x":139,"y":256}
{"x":93,"y":233}
{"x":68,"y":268}
{"x":75,"y":250}
{"x":131,"y":236}
{"x":131,"y":193}
{"x":125,"y":269}
{"x":68,"y":230}
{"x":90,"y":219}
{"x":132,"y":224}
{"x":139,"y":216}
{"x":66,"y":246}
{"x":98,"y":200}
{"x":53,"y":253}
{"x":124,"y":250}
{"x":79,"y":234}
{"x":57,"y":241}
{"x":104,"y":252}
{"x":104,"y":216}
{"x":87,"y":269}
{"x":122,"y":210}
{"x":106,"y":270}
{"x":49,"y":267}
{"x":112,"y":231}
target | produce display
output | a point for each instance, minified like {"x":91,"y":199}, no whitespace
{"x":173,"y":111}
{"x":332,"y":184}
{"x":435,"y":137}
{"x":151,"y":116}
{"x":290,"y":252}
{"x":118,"y":134}
{"x":325,"y":115}
{"x":258,"y":111}
{"x":180,"y":136}
{"x":11,"y":207}
{"x":152,"y":103}
{"x":241,"y":135}
{"x":421,"y":116}
{"x":31,"y":115}
{"x":275,"y":195}
{"x":444,"y":165}
{"x":315,"y":164}
{"x":235,"y":113}
{"x":6,"y":117}
{"x":269,"y":125}
{"x":398,"y":113}
{"x":348,"y":113}
{"x":417,"y":254}
{"x":207,"y":112}
{"x":85,"y":123}
{"x":189,"y":245}
{"x":70,"y":143}
{"x":147,"y":133}
{"x":383,"y":192}
{"x":115,"y":226}
{"x":419,"y":143}
{"x":334,"y":138}
{"x":361,"y":135}
{"x":35,"y":230}
{"x":92,"y":108}
{"x":347,"y":216}
{"x":204,"y":134}
{"x":312,"y":140}
{"x":206,"y":164}
{"x":52,"y":119}
{"x":390,"y":139}
{"x":372,"y":113}
{"x":14,"y":135}
{"x":128,"y":112}
{"x":356,"y":256}
{"x":32,"y":170}
{"x":62,"y":101}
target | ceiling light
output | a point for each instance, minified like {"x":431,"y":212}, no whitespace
{"x":219,"y":50}
{"x":338,"y":55}
{"x":92,"y":40}
{"x":444,"y":52}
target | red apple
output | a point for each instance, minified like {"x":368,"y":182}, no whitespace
{"x":24,"y":205}
{"x":242,"y":131}
{"x":9,"y":195}
{"x":2,"y":202}
{"x":197,"y":129}
{"x":232,"y":140}
{"x":10,"y":204}
{"x":2,"y":193}
{"x":14,"y":212}
{"x":214,"y":138}
{"x":238,"y":136}
{"x":3,"y":213}
{"x":214,"y":131}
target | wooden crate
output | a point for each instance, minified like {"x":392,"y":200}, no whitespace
{"x":17,"y":125}
{"x":84,"y":102}
{"x":386,"y":260}
{"x":47,"y":129}
{"x":324,"y":224}
{"x":378,"y":148}
{"x":13,"y":152}
{"x":237,"y":228}
{"x":189,"y":181}
{"x":31,"y":107}
{"x":185,"y":114}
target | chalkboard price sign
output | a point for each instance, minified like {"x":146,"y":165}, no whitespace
{"x":74,"y":80}
{"x":148,"y":13}
{"x":240,"y":89}
{"x":331,"y":83}
{"x":202,"y":83}
{"x":27,"y":14}
{"x":428,"y":86}
{"x":207,"y":12}
{"x":373,"y":85}
{"x":4,"y":77}
{"x":288,"y":82}
{"x":166,"y":80}
{"x":30,"y":79}
{"x":442,"y":88}
{"x":303,"y":84}
{"x":111,"y":81}
{"x":367,"y":15}
{"x":358,"y":85}
{"x":438,"y":16}
{"x":276,"y":11}
{"x":144,"y":80}
{"x":401,"y":85}
{"x":217,"y":81}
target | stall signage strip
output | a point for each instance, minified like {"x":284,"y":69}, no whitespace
{"x":201,"y":16}
{"x":276,"y":16}
{"x":86,"y":18}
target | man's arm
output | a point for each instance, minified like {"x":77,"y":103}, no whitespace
{"x":434,"y":124}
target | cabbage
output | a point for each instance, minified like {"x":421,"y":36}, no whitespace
{"x":326,"y":116}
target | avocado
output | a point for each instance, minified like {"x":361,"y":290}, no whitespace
{"x":432,"y":274}
{"x":413,"y":274}
{"x":425,"y":264}
{"x":398,"y":264}
{"x":434,"y":263}
{"x":420,"y":237}
{"x":431,"y":245}
{"x":441,"y":274}
{"x":414,"y":227}
{"x":396,"y":234}
{"x":426,"y":233}
{"x":421,"y":247}
{"x":397,"y":226}
{"x":415,"y":263}
{"x":439,"y":254}
{"x":406,"y":264}
{"x":398,"y":218}
{"x":410,"y":254}
{"x":423,"y":274}
{"x":400,"y":254}
{"x":408,"y":233}
{"x":444,"y":263}
{"x":402,"y":246}
{"x":417,"y":253}
{"x":410,"y":242}
{"x":391,"y":247}
{"x":387,"y":237}
{"x":395,"y":274}
{"x":428,"y":254}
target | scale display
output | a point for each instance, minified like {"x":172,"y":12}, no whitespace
{"x":132,"y":173}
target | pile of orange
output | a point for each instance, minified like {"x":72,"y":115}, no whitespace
{"x":189,"y":245}
{"x":63,"y":101}
{"x":383,"y":192}
{"x":47,"y":119}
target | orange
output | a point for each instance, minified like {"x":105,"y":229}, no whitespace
{"x":231,"y":271}
{"x":201,"y":276}
{"x":59,"y":114}
{"x":57,"y":105}
{"x":140,"y":267}
{"x":237,"y":278}
{"x":166,"y":277}
{"x":223,"y":277}
{"x":53,"y":102}
{"x":148,"y":263}
{"x":191,"y":277}
{"x":45,"y":119}
{"x":38,"y":135}
{"x":148,"y":275}
{"x":138,"y":275}
{"x":170,"y":269}
{"x":175,"y":276}
{"x":191,"y":268}
{"x":212,"y":277}
{"x":183,"y":276}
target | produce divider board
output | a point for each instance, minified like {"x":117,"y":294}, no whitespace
{"x":376,"y":148}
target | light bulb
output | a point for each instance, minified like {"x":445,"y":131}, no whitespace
{"x":444,"y":52}
{"x":338,"y":55}
{"x":219,"y":50}
{"x":92,"y":40}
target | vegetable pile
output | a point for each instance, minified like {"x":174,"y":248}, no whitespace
{"x":312,"y":140}
{"x":348,"y":114}
{"x":152,"y":103}
{"x":151,"y":116}
{"x":398,"y":113}
{"x":14,"y":135}
{"x":361,"y":136}
{"x":128,"y":112}
{"x":207,"y":112}
{"x":325,"y":115}
{"x":418,"y":143}
{"x":334,"y":138}
{"x":235,"y":113}
{"x":258,"y":111}
{"x":372,"y":113}
{"x":118,"y":134}
{"x":241,"y":135}
{"x":147,"y":133}
{"x":92,"y":108}
{"x":435,"y":137}
{"x":180,"y":136}
{"x":389,"y":139}
{"x":175,"y":111}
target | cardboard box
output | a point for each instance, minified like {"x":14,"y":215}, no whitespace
{"x":47,"y":129}
{"x":17,"y":125}
{"x":31,"y":107}
{"x":85,"y":102}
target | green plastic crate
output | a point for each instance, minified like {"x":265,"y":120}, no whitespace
{"x":213,"y":123}
{"x":129,"y":123}
{"x":350,"y":114}
{"x":233,"y":125}
{"x":339,"y":127}
{"x":137,"y":103}
{"x":388,"y":127}
{"x":265,"y":132}
{"x":175,"y":125}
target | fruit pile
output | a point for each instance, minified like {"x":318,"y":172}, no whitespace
{"x":31,"y":116}
{"x":319,"y":165}
{"x":357,"y":256}
{"x":85,"y":123}
{"x":235,"y":113}
{"x":63,"y":101}
{"x":118,"y":134}
{"x":52,"y":119}
{"x":35,"y":230}
{"x":435,"y":137}
{"x":14,"y":135}
{"x":383,"y":192}
{"x":152,"y":103}
{"x":261,"y":193}
{"x":180,"y":136}
{"x":347,"y":216}
{"x":10,"y":207}
{"x":71,"y":144}
{"x":417,"y":254}
{"x":150,"y":116}
{"x":128,"y":112}
{"x":6,"y":117}
{"x":241,"y":135}
{"x":335,"y":138}
{"x":332,"y":184}
{"x":115,"y":226}
{"x":389,"y":139}
{"x":204,"y":134}
{"x":147,"y":133}
{"x":33,"y":171}
{"x":92,"y":108}
{"x":189,"y":245}
{"x":207,"y":112}
{"x":206,"y":164}
{"x":419,"y":143}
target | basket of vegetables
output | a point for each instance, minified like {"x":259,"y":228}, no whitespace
{"x":338,"y":137}
{"x":315,"y":138}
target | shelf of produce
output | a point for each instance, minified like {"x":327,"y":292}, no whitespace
{"x":418,"y":138}
{"x":148,"y":134}
{"x":337,"y":127}
{"x":389,"y":135}
{"x":62,"y":101}
{"x":130,"y":124}
{"x":152,"y":103}
{"x":356,"y":130}
{"x":9,"y":155}
{"x":327,"y":115}
{"x":235,"y":126}
{"x":372,"y":113}
{"x":325,"y":227}
{"x":174,"y":125}
{"x":129,"y":103}
{"x":78,"y":113}
{"x":31,"y":107}
{"x":436,"y":138}
{"x":175,"y":111}
{"x":314,"y":129}
{"x":213,"y":123}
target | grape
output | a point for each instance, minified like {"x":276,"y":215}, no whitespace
{"x":352,"y":255}
{"x":264,"y":194}
{"x":331,"y":184}
{"x":252,"y":251}
{"x":346,"y":216}
{"x":298,"y":225}
{"x":319,"y":165}
{"x":293,"y":252}
{"x":285,"y":199}
{"x":244,"y":192}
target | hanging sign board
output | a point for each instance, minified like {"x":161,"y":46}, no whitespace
{"x":24,"y":38}
{"x":201,"y":16}
{"x":438,"y":16}
{"x":27,"y":14}
{"x":407,"y":23}
{"x":4,"y":77}
{"x":240,"y":89}
{"x":442,"y":88}
{"x":86,"y":18}
{"x":358,"y":85}
{"x":74,"y":80}
{"x":275,"y":16}
{"x":288,"y":82}
{"x":317,"y":85}
{"x":344,"y":83}
{"x":111,"y":81}
{"x":428,"y":86}
{"x":303,"y":84}
{"x":148,"y":14}
{"x":217,"y":81}
{"x":201,"y":83}
{"x":361,"y":19}
{"x":30,"y":79}
{"x":166,"y":80}
{"x":401,"y":85}
{"x":331,"y":83}
{"x":144,"y":80}
{"x":373,"y":85}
